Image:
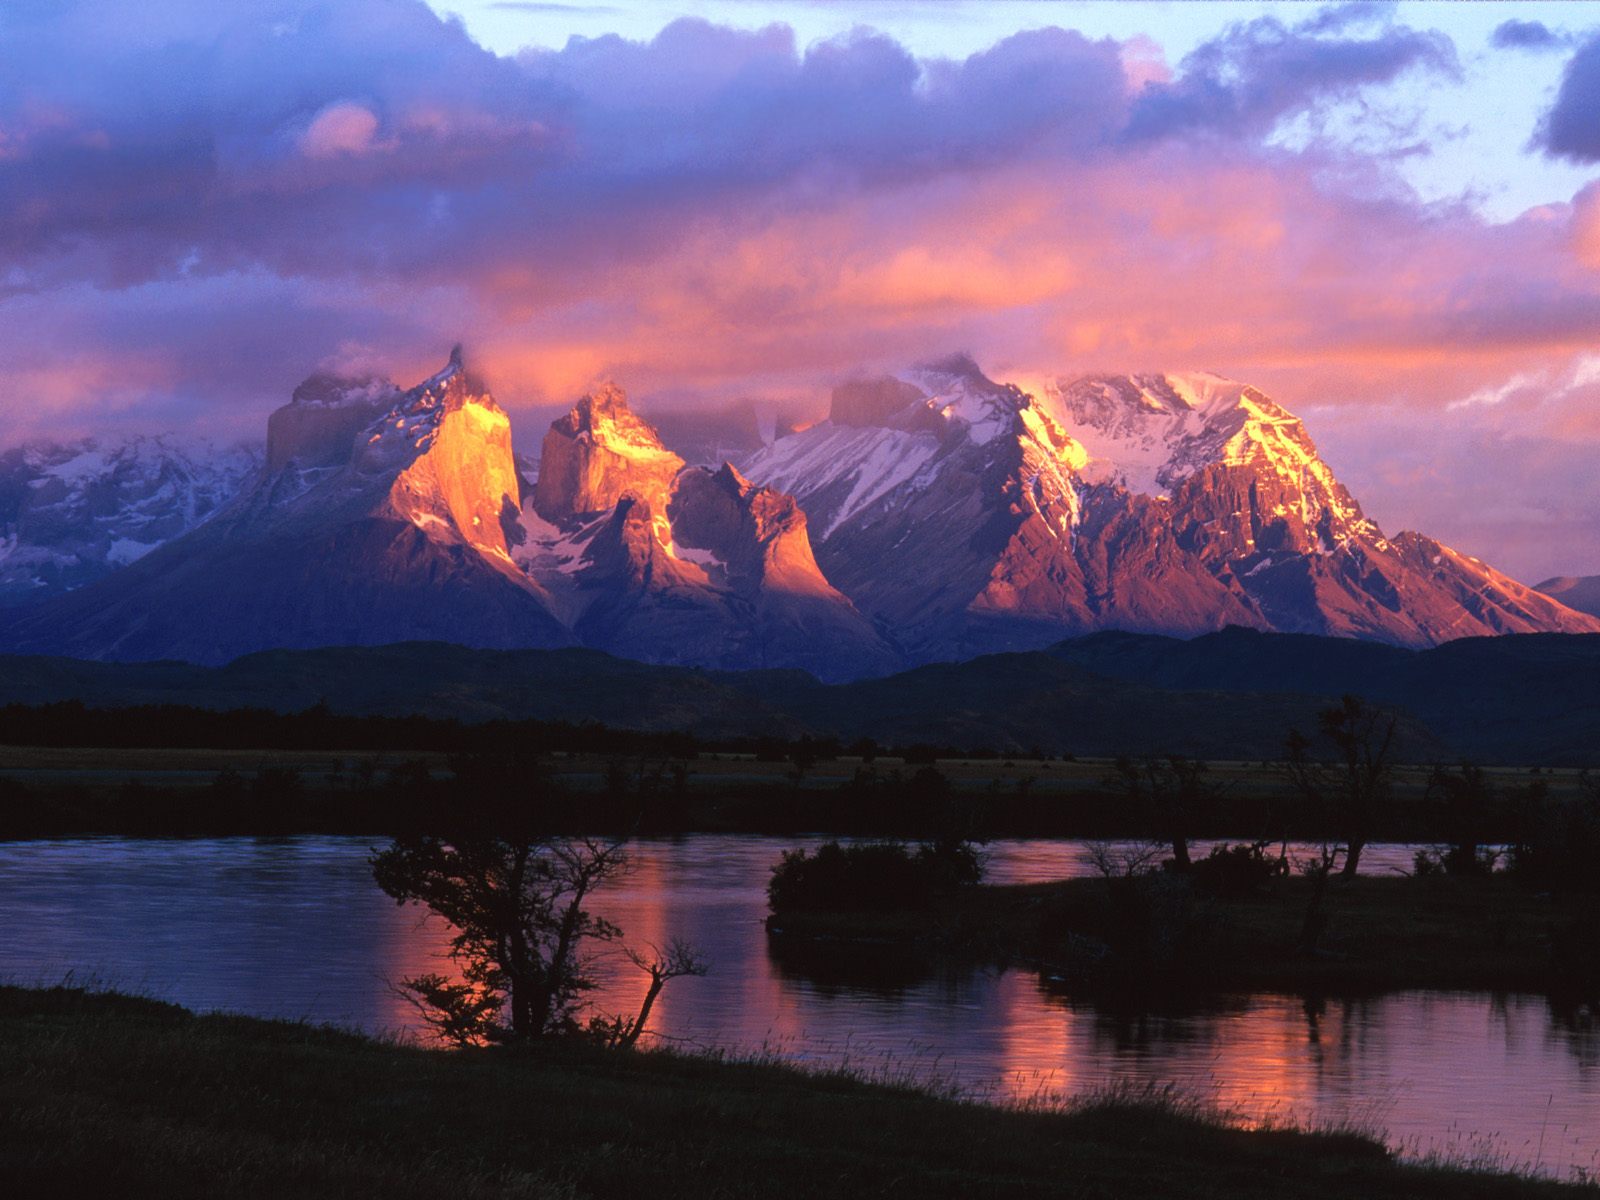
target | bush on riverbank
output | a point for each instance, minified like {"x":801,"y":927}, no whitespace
{"x":1557,"y":846}
{"x":871,"y":876}
{"x":112,"y":1095}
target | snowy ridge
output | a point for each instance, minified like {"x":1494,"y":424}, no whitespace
{"x":858,"y":465}
{"x":72,"y":513}
{"x":981,"y":517}
{"x":1150,"y":433}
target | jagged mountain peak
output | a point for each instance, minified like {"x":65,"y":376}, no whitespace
{"x":605,"y":416}
{"x":327,"y":389}
{"x":414,"y":417}
{"x":597,"y":452}
{"x":1152,"y":433}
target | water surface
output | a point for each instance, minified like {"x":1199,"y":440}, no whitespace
{"x":295,"y":928}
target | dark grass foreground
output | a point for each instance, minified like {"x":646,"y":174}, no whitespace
{"x":108,"y":1095}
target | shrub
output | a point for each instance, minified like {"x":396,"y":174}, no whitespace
{"x":871,"y":876}
{"x":1557,"y":847}
{"x":1233,"y":872}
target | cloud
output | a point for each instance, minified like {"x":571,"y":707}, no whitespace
{"x":1253,"y":75}
{"x":1527,"y":35}
{"x":339,"y":128}
{"x":533,"y":6}
{"x":1586,"y":226}
{"x":1334,"y":18}
{"x":1571,"y":129}
{"x":201,"y":202}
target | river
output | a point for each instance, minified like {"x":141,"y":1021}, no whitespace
{"x":294,"y":927}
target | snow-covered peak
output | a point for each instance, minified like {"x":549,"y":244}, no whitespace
{"x":967,"y":399}
{"x":414,"y":417}
{"x":71,"y":512}
{"x":1150,"y":432}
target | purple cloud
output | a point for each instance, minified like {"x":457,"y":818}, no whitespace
{"x":1527,"y":35}
{"x":1571,"y":129}
{"x":1244,"y":81}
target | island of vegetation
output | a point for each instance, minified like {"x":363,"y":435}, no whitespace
{"x":1151,"y":918}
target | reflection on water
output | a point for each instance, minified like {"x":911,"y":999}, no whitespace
{"x":295,"y":928}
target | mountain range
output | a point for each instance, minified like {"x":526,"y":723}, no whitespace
{"x":935,"y":515}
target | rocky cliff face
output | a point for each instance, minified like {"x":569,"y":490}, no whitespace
{"x":318,"y":427}
{"x":402,"y":539}
{"x":596,"y":453}
{"x":978,"y":517}
{"x":938,"y":514}
{"x":657,"y":561}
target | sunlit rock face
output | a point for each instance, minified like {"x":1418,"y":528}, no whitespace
{"x":937,"y":514}
{"x":597,"y":452}
{"x":977,"y":517}
{"x":463,"y":481}
{"x":402,"y":538}
{"x":650,"y":559}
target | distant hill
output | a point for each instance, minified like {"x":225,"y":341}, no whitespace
{"x":1529,"y":699}
{"x":1576,"y":592}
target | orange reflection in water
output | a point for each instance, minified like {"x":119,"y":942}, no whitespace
{"x":1450,"y":1072}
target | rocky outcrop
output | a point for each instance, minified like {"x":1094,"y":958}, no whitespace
{"x":318,"y":427}
{"x":698,"y":566}
{"x":939,"y":515}
{"x":402,"y":541}
{"x":873,"y":402}
{"x":597,"y":452}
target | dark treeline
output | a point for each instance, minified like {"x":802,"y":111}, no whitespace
{"x":71,"y":724}
{"x":643,"y":782}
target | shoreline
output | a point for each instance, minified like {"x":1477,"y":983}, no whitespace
{"x":102,"y":1088}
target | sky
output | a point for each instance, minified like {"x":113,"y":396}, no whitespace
{"x":1387,"y":216}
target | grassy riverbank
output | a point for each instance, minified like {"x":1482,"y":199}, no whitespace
{"x":1383,"y":933}
{"x":62,"y":791}
{"x":112,"y":1095}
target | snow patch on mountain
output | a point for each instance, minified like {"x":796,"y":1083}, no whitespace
{"x":71,"y":513}
{"x":855,"y":466}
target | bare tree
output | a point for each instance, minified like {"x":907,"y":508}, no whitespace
{"x":1176,"y":791}
{"x":1318,"y":868}
{"x":1348,"y":786}
{"x":1467,"y":796}
{"x":518,"y":905}
{"x":676,"y":961}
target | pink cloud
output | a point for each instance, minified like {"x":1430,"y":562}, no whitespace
{"x":340,"y":128}
{"x":720,"y":213}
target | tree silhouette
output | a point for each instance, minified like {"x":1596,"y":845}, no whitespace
{"x":1347,"y":787}
{"x":518,"y":905}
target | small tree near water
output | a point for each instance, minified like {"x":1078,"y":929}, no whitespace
{"x":1347,"y":787}
{"x":1176,"y":793}
{"x":523,"y":933}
